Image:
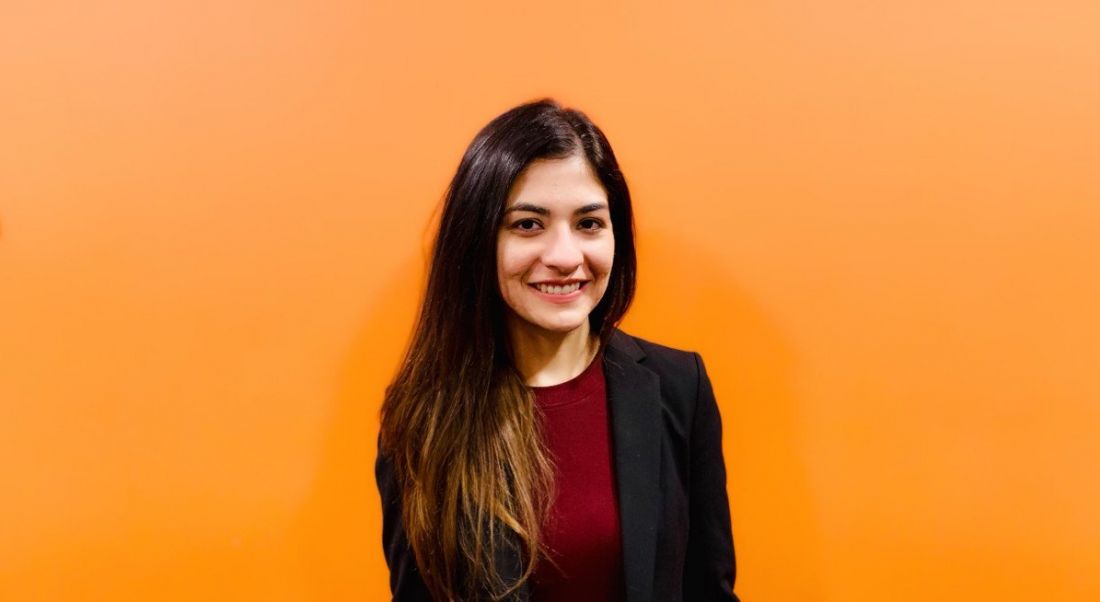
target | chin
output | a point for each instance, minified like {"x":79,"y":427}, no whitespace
{"x":562,"y":327}
{"x":565,"y":329}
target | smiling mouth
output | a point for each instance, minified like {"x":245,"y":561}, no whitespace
{"x":559,"y":290}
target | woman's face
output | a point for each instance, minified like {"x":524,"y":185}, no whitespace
{"x":556,"y":233}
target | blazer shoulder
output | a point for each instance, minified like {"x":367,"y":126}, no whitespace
{"x":679,"y":369}
{"x":664,"y":359}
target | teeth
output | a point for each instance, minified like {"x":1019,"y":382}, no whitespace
{"x":558,"y":290}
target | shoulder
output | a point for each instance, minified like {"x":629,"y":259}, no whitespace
{"x":681,"y":388}
{"x":653,"y":355}
{"x":679,"y":369}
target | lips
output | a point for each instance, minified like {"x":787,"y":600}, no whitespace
{"x":557,"y":282}
{"x":560,"y":296}
{"x":559,"y":289}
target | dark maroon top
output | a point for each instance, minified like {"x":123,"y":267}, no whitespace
{"x":582,"y":530}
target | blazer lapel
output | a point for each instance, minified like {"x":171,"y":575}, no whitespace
{"x":634,"y":394}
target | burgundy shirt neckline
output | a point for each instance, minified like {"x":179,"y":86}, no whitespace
{"x":574,"y":390}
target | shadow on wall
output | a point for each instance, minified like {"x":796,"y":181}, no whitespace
{"x":338,"y":531}
{"x":751,"y":364}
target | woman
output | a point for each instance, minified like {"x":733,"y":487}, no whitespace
{"x":530,"y":450}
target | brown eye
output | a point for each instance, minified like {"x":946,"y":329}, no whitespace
{"x":526,"y":225}
{"x":593,"y":224}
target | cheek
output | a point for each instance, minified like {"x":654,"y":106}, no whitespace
{"x":604,"y":257}
{"x":512,"y":263}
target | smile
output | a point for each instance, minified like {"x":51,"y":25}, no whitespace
{"x":558,"y":290}
{"x":559,"y":293}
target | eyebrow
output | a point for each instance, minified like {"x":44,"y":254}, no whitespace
{"x":544,"y":211}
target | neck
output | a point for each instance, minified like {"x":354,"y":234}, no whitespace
{"x":547,"y":358}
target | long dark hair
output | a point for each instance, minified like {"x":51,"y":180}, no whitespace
{"x":458,"y":422}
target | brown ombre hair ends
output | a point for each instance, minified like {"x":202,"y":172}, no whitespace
{"x":458,"y":422}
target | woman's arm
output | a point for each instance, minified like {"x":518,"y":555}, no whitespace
{"x":405,"y":582}
{"x":710,"y":567}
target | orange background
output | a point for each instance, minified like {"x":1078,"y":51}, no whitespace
{"x":879,"y":222}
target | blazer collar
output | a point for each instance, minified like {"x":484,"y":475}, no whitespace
{"x":634,"y":402}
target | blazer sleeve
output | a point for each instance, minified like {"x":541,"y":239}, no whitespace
{"x":405,"y":582}
{"x":710,"y":567}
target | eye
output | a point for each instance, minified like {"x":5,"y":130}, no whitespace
{"x":593,"y":224}
{"x":526,"y":225}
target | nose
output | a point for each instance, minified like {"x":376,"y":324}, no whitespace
{"x":563,"y":253}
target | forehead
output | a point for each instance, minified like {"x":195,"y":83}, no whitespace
{"x":557,"y":183}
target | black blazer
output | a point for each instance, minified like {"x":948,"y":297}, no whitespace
{"x":671,"y":479}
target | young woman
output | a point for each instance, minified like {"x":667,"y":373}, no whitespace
{"x":530,"y":450}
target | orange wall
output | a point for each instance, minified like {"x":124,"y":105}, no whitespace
{"x":878,"y":221}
